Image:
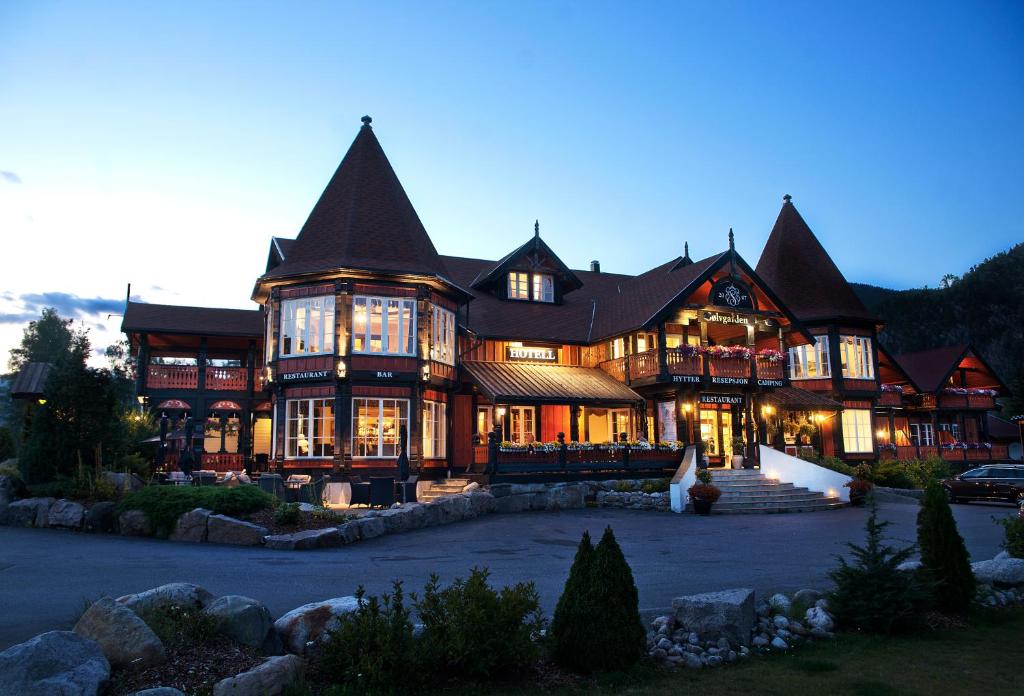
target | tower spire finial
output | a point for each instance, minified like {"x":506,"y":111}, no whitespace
{"x":686,"y":250}
{"x":366,"y":121}
{"x":536,"y":228}
{"x":732,"y":241}
{"x":787,"y":198}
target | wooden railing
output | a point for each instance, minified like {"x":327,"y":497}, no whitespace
{"x":172,"y":377}
{"x":890,"y":399}
{"x":768,"y":369}
{"x":728,"y":367}
{"x":564,"y":460}
{"x":616,"y":367}
{"x":230,"y":461}
{"x":981,"y":401}
{"x":227,"y":378}
{"x":643,"y":364}
{"x":979,"y":454}
{"x":966,"y":401}
{"x":442,"y":370}
{"x":680,"y":364}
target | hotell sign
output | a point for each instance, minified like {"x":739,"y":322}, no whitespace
{"x":531,"y":354}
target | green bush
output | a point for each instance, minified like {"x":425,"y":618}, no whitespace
{"x":372,"y":649}
{"x":10,"y":470}
{"x":1013,"y":527}
{"x":137,"y":464}
{"x":911,"y":473}
{"x":597,"y":624}
{"x":872,"y":594}
{"x":829,"y":462}
{"x":164,"y":504}
{"x":655,"y":485}
{"x":287,"y":514}
{"x":178,"y":626}
{"x":623,"y":486}
{"x":7,"y":448}
{"x":944,"y":560}
{"x":471,"y":630}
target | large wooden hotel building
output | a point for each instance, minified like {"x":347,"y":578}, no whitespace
{"x":367,"y":345}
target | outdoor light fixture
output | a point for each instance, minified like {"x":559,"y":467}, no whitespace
{"x":820,"y":417}
{"x":500,"y":411}
{"x":141,"y":399}
{"x":426,"y":372}
{"x":341,"y":370}
{"x":881,"y":434}
{"x":268,"y":374}
{"x":42,"y":402}
{"x":767,"y":410}
{"x":687,"y":407}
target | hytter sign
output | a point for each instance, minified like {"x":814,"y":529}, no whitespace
{"x":531,"y":354}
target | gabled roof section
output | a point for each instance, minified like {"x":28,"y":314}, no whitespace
{"x":890,"y":371}
{"x":534,"y":254}
{"x":363,"y":220}
{"x":30,"y":382}
{"x":931,"y":369}
{"x":279,"y":248}
{"x":797,"y":266}
{"x":209,"y":321}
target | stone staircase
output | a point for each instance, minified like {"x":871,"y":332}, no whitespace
{"x":441,"y":488}
{"x":746,"y":492}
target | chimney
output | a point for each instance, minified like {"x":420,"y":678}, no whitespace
{"x":595,"y":266}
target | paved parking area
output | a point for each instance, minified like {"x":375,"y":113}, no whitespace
{"x":47,"y":575}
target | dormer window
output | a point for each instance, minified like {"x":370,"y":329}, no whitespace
{"x":518,"y":286}
{"x":543,"y":288}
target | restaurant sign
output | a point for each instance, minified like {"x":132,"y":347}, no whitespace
{"x":530,"y":354}
{"x":721,"y":398}
{"x":305,"y":376}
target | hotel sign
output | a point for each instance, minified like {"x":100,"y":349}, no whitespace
{"x":531,"y":354}
{"x":728,"y":318}
{"x":721,"y":398}
{"x":306,"y":376}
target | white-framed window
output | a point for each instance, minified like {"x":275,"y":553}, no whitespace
{"x":855,"y":354}
{"x":442,"y":342}
{"x":857,"y":430}
{"x":434,"y":430}
{"x":385,"y":325}
{"x":307,"y":326}
{"x":617,"y":349}
{"x":524,"y":425}
{"x":484,"y":422}
{"x":921,"y":434}
{"x":543,"y":287}
{"x":518,"y":285}
{"x":376,"y":424}
{"x":310,"y":428}
{"x":951,"y":428}
{"x":810,"y":362}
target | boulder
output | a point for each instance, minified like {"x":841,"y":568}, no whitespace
{"x":396,"y":519}
{"x":101,"y":517}
{"x":191,"y":526}
{"x":221,"y":529}
{"x":370,"y":527}
{"x":481,"y":503}
{"x":712,"y":615}
{"x":779,"y":644}
{"x":1003,"y":570}
{"x":125,"y":639}
{"x":160,"y":691}
{"x":500,"y":490}
{"x":176,"y":593}
{"x":270,"y":678}
{"x":806,"y":598}
{"x":308,"y":539}
{"x":779,"y":603}
{"x":30,"y":512}
{"x":568,"y":496}
{"x":780,"y":621}
{"x":122,"y":482}
{"x":819,"y":619}
{"x":134,"y":523}
{"x":512,"y":503}
{"x":349,"y":532}
{"x":305,"y":624}
{"x":244,"y":621}
{"x":8,"y":490}
{"x":471,"y":486}
{"x":58,"y":662}
{"x":65,"y":513}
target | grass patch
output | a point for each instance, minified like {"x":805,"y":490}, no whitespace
{"x":164,"y":504}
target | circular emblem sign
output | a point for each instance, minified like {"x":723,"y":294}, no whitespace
{"x":731,"y":293}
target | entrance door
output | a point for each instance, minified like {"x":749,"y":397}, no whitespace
{"x":709,"y":432}
{"x":619,"y":423}
{"x":523,"y":424}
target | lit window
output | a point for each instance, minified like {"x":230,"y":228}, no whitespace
{"x":857,"y":430}
{"x":518,"y":286}
{"x":808,"y":362}
{"x":434,"y":430}
{"x":855,"y":353}
{"x":307,"y":326}
{"x":543,"y":288}
{"x":384,"y":325}
{"x":921,"y":434}
{"x":310,"y":431}
{"x":376,"y":424}
{"x":618,"y":348}
{"x":442,"y":345}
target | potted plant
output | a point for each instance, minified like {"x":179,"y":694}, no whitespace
{"x":860,"y":485}
{"x":704,"y":493}
{"x":737,"y":452}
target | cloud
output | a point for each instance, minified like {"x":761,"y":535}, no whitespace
{"x":10,"y":177}
{"x":66,"y":304}
{"x":18,"y":318}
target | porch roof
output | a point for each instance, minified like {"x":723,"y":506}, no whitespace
{"x":554,"y":384}
{"x":798,"y":399}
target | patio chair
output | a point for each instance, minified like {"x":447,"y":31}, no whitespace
{"x":204,"y":478}
{"x":272,"y":484}
{"x":360,"y":491}
{"x":313,"y":492}
{"x":382,"y":491}
{"x":408,"y":489}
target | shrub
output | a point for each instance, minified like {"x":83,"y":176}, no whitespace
{"x":910,"y":473}
{"x":623,"y":486}
{"x":178,"y":626}
{"x":135,"y":464}
{"x":872,"y":594}
{"x":371,"y":650}
{"x":655,"y":485}
{"x":164,"y":504}
{"x":287,"y":514}
{"x":830,"y":462}
{"x":471,"y":630}
{"x":864,"y":472}
{"x":1013,"y":527}
{"x":944,"y":560}
{"x":571,"y":623}
{"x":7,"y":448}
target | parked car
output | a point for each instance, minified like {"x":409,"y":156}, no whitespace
{"x":996,"y":482}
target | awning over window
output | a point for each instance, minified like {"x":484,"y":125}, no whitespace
{"x":225,"y":406}
{"x":794,"y":399}
{"x":172,"y":404}
{"x":509,"y":383}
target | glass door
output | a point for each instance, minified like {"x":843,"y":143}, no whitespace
{"x":619,"y":423}
{"x":523,"y":424}
{"x":709,"y":432}
{"x":726,"y":439}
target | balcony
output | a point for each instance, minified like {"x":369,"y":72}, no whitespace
{"x":979,"y":401}
{"x":172,"y":377}
{"x":643,"y":364}
{"x":227,"y":378}
{"x":770,"y":369}
{"x":680,"y":363}
{"x":616,"y":367}
{"x":891,"y":399}
{"x":990,"y":453}
{"x":730,"y":368}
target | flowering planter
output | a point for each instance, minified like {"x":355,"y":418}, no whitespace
{"x":702,"y":506}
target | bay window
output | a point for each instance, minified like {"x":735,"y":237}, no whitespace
{"x":855,"y":354}
{"x":808,"y":362}
{"x":310,"y":428}
{"x":543,"y":288}
{"x":384,"y":325}
{"x":376,"y":425}
{"x":307,"y":326}
{"x":434,"y":430}
{"x":442,"y":344}
{"x":857,"y":430}
{"x":518,"y":286}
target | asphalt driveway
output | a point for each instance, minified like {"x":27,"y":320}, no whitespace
{"x":46,"y":576}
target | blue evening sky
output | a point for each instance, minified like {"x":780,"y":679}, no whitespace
{"x":162,"y":144}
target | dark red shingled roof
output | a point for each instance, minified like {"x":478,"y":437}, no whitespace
{"x":929,"y":369}
{"x":212,"y":321}
{"x":1002,"y":429}
{"x":363,"y":220}
{"x":797,"y":267}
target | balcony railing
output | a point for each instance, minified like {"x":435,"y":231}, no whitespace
{"x":991,"y":453}
{"x":681,"y":364}
{"x":643,"y":364}
{"x":890,"y":399}
{"x":770,"y":369}
{"x":616,"y":367}
{"x":172,"y":377}
{"x":728,"y":367}
{"x":227,"y":378}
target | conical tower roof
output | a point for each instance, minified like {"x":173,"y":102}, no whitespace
{"x":797,"y":267}
{"x":363,"y":220}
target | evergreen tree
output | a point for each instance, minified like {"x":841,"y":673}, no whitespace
{"x":570,"y":630}
{"x":944,"y":560}
{"x":872,"y":594}
{"x":48,"y":339}
{"x":619,"y":634}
